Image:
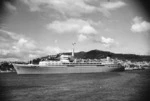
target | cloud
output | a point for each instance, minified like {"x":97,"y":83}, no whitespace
{"x":8,"y":36}
{"x":86,"y":33}
{"x":55,"y":41}
{"x":82,"y":38}
{"x":84,"y":29}
{"x":87,"y":30}
{"x":10,"y":59}
{"x":73,"y":8}
{"x":15,"y":45}
{"x":139,"y":25}
{"x":67,"y":7}
{"x":24,"y":43}
{"x":112,"y":5}
{"x":106,"y":42}
{"x":133,"y":50}
{"x":33,"y":56}
{"x":53,"y":50}
{"x":72,"y":25}
{"x":16,"y":39}
{"x":4,"y":52}
{"x":66,"y":26}
{"x":10,"y":6}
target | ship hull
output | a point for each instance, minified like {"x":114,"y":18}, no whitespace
{"x":36,"y":69}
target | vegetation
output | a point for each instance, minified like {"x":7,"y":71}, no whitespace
{"x":4,"y":66}
{"x":7,"y":66}
{"x":93,"y":54}
{"x":97,"y":54}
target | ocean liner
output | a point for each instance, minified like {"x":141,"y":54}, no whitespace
{"x":66,"y":64}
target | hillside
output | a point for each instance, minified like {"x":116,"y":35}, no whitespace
{"x":98,"y":54}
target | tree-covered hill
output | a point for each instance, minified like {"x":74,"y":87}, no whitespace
{"x":93,"y":54}
{"x":97,"y":54}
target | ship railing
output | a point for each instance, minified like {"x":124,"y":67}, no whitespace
{"x":83,"y":63}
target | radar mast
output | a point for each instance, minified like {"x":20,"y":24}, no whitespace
{"x":73,"y":44}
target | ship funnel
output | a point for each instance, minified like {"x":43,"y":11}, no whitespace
{"x":73,"y":49}
{"x":108,"y":58}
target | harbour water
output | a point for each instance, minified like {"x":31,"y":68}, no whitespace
{"x":110,"y":86}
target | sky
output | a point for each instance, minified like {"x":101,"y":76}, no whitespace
{"x":34,"y":28}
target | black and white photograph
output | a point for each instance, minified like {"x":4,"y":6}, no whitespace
{"x":74,"y":50}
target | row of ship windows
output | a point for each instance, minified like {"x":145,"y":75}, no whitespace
{"x":71,"y":63}
{"x":81,"y":63}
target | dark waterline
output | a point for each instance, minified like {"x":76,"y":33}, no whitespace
{"x":112,"y":86}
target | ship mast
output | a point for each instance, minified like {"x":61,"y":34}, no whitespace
{"x":73,"y":44}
